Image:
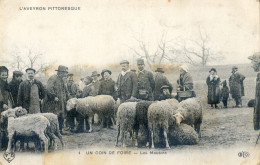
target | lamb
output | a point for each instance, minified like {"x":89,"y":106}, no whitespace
{"x":160,"y":116}
{"x":183,"y":135}
{"x":125,"y":120}
{"x":190,"y":112}
{"x":103,"y":105}
{"x":27,"y":125}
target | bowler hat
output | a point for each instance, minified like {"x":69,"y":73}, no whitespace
{"x":124,"y":62}
{"x":105,"y":70}
{"x":30,"y":69}
{"x":166,"y":87}
{"x":3,"y":68}
{"x":94,"y":73}
{"x":17,"y":73}
{"x":62,"y":68}
{"x":140,"y":61}
{"x":159,"y":70}
{"x":213,"y":69}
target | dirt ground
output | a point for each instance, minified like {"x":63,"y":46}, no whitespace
{"x":221,"y":128}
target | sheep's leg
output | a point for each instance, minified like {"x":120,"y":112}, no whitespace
{"x":118,"y":134}
{"x":45,"y":141}
{"x":124,"y":138}
{"x":147,"y":137}
{"x":90,"y":124}
{"x":60,"y":137}
{"x":166,"y":139}
{"x":136,"y":137}
{"x":9,"y":147}
{"x":152,"y":138}
{"x":113,"y":122}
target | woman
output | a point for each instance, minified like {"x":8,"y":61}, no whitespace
{"x":213,"y":82}
{"x":6,"y":100}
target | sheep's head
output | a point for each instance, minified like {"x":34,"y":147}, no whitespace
{"x":8,"y":113}
{"x":71,"y":104}
{"x":19,"y":111}
{"x":178,"y":118}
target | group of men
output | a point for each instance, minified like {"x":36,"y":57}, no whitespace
{"x":32,"y":95}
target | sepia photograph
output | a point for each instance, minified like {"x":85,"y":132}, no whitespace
{"x":129,"y":82}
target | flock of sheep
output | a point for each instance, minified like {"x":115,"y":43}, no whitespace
{"x":177,"y":122}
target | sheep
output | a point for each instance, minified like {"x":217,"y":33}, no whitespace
{"x":160,"y":116}
{"x":183,"y":135}
{"x":125,"y":120}
{"x":28,"y":126}
{"x":190,"y":112}
{"x":103,"y":105}
{"x":141,"y":119}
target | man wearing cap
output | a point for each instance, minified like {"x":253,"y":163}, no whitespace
{"x":30,"y":93}
{"x":57,"y":95}
{"x":145,"y":80}
{"x":126,"y":83}
{"x":160,"y":80}
{"x":95,"y":83}
{"x":236,"y":86}
{"x":107,"y":85}
{"x":14,"y":85}
{"x":185,"y":81}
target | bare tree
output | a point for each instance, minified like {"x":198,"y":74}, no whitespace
{"x":162,"y":51}
{"x":198,"y":50}
{"x":29,"y":60}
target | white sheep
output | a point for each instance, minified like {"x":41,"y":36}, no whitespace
{"x":28,"y":126}
{"x":103,"y":105}
{"x":183,"y":135}
{"x":160,"y":116}
{"x":190,"y":112}
{"x":126,"y":114}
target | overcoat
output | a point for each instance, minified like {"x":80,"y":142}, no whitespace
{"x":185,"y":81}
{"x":127,"y":85}
{"x":56,"y":87}
{"x":14,"y":86}
{"x":24,"y":93}
{"x":5,"y":95}
{"x":160,"y":80}
{"x":213,"y":90}
{"x":145,"y":82}
{"x":107,"y":87}
{"x":256,"y":115}
{"x":236,"y":85}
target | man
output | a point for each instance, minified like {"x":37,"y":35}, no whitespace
{"x":145,"y":84}
{"x":14,"y":85}
{"x":107,"y":85}
{"x":236,"y":86}
{"x":30,"y":93}
{"x":95,"y":83}
{"x":89,"y":88}
{"x":126,"y":83}
{"x":57,"y":95}
{"x":74,"y":93}
{"x":165,"y":93}
{"x":160,"y":80}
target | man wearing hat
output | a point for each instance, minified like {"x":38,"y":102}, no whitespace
{"x":165,"y":92}
{"x":145,"y":80}
{"x":160,"y":80}
{"x":30,"y":93}
{"x":14,"y":85}
{"x":95,"y":83}
{"x":236,"y":86}
{"x":57,"y":95}
{"x":126,"y":83}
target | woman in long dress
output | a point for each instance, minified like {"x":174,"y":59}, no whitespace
{"x":213,"y":82}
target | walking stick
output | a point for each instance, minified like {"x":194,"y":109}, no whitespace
{"x":257,"y":139}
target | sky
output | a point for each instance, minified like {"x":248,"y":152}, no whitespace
{"x":103,"y":31}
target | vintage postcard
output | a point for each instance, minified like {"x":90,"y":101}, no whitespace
{"x":129,"y":82}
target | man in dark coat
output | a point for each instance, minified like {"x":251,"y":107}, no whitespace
{"x":57,"y":95}
{"x":107,"y":85}
{"x":95,"y":83}
{"x":126,"y":83}
{"x":236,"y":86}
{"x":160,"y":80}
{"x":6,"y":99}
{"x":185,"y":81}
{"x":145,"y":85}
{"x":30,"y":92}
{"x":14,"y":85}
